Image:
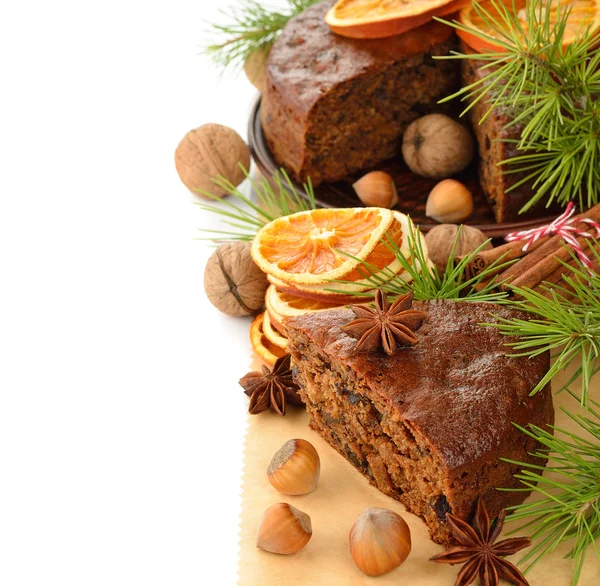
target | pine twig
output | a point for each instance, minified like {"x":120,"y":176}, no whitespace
{"x":275,"y":198}
{"x":253,"y":26}
{"x":570,"y":509}
{"x":551,"y":90}
{"x":570,"y":328}
{"x":422,"y":278}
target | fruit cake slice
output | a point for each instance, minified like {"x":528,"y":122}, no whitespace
{"x":428,"y":424}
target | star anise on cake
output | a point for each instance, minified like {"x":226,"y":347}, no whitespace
{"x":387,"y":326}
{"x":271,"y":388}
{"x":479,"y":552}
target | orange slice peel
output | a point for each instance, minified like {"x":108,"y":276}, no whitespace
{"x":272,"y":334}
{"x":263,"y":347}
{"x":584,"y":16}
{"x":311,"y":247}
{"x":372,"y":19}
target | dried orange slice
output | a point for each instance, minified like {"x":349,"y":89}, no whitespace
{"x":363,"y":283}
{"x":373,"y":19}
{"x":268,"y":351}
{"x":584,"y":14}
{"x":311,"y":247}
{"x":286,"y":305}
{"x":317,"y":293}
{"x":383,"y":258}
{"x":282,"y":305}
{"x":272,"y":334}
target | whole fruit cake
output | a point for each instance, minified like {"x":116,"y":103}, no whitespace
{"x":428,"y":423}
{"x":334,"y":105}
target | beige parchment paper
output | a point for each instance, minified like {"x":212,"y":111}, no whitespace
{"x":343,"y":493}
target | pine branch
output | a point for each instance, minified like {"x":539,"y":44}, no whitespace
{"x":421,"y":277}
{"x":254,"y":26}
{"x":275,"y":198}
{"x":570,"y":509}
{"x":571,"y":327}
{"x":549,"y":90}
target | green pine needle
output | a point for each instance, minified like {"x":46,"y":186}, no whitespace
{"x":568,"y":326}
{"x":254,"y":26}
{"x":570,"y":485}
{"x":421,"y":277}
{"x":550,"y":90}
{"x":275,"y":198}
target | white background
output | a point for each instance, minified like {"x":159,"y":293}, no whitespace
{"x":121,"y":421}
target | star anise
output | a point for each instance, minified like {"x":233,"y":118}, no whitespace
{"x":479,"y":553}
{"x":271,"y":388}
{"x":387,"y":325}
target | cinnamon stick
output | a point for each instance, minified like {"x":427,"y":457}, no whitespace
{"x":556,"y":278}
{"x":506,"y":252}
{"x":537,"y":266}
{"x":513,"y":250}
{"x":556,"y":275}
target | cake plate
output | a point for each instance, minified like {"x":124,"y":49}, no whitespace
{"x":412,"y":189}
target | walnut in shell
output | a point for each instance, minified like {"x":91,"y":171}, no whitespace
{"x":255,"y":68}
{"x":233,"y":283}
{"x":209,"y":152}
{"x":440,"y":240}
{"x":436,"y":146}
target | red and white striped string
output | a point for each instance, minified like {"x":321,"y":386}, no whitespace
{"x":562,"y":226}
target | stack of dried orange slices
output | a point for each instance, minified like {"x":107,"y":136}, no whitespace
{"x":318,"y":259}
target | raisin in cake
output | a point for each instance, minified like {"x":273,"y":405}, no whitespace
{"x":428,"y":424}
{"x":334,"y":105}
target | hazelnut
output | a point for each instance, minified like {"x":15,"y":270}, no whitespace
{"x":436,"y":146}
{"x":449,"y":202}
{"x":211,"y":152}
{"x":464,"y":239}
{"x":283,"y":529}
{"x":376,"y":189}
{"x":295,"y":468}
{"x":379,"y":541}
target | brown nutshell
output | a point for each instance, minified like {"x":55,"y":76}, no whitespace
{"x":255,"y":68}
{"x":441,"y":239}
{"x":209,"y":152}
{"x":449,"y":202}
{"x":436,"y":146}
{"x":232,"y":281}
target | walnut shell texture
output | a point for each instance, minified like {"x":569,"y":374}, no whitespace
{"x":233,"y":282}
{"x":208,"y":152}
{"x":441,"y":238}
{"x":255,"y":69}
{"x":436,"y":146}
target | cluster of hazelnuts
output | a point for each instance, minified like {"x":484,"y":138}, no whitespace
{"x":379,"y":538}
{"x":435,"y":147}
